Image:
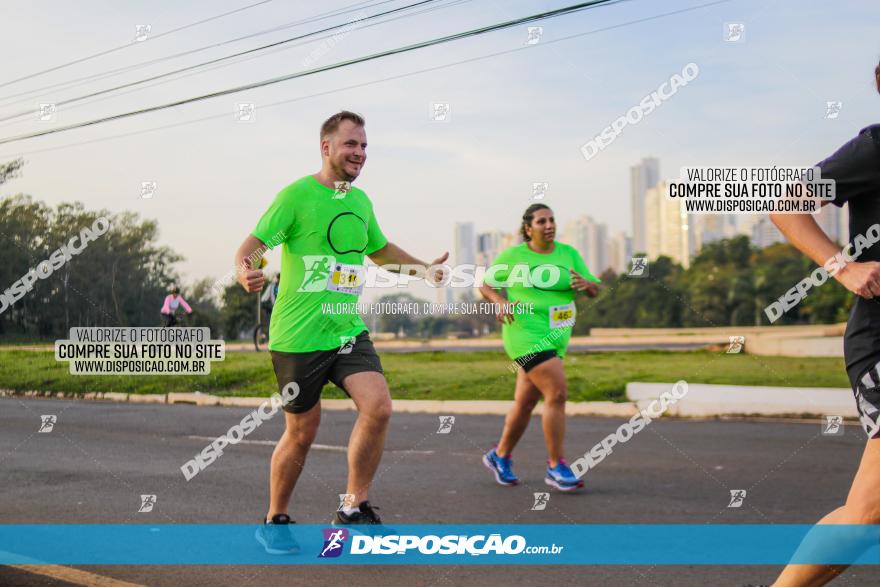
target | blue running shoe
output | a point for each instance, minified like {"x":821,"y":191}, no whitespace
{"x":500,"y":467}
{"x":562,"y":477}
{"x":276,"y":537}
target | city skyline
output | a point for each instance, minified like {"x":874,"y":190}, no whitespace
{"x":668,"y":230}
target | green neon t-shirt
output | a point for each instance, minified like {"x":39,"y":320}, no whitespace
{"x":325,"y":234}
{"x":544,"y":281}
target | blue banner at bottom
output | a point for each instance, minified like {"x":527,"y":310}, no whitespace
{"x":532,"y":544}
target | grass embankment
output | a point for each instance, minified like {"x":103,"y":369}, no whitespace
{"x":446,"y":375}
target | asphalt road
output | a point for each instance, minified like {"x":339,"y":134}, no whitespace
{"x":100,"y":457}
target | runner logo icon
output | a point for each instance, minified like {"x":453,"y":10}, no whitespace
{"x":737,"y":497}
{"x":334,"y":540}
{"x":147,"y":503}
{"x":316,"y":273}
{"x":47,"y":423}
{"x":736,"y":344}
{"x":341,"y":189}
{"x":446,"y":423}
{"x":541,"y":500}
{"x":346,"y":500}
{"x":832,"y":426}
{"x":346,"y":345}
{"x":638,"y":267}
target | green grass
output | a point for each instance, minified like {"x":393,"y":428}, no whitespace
{"x":447,"y":376}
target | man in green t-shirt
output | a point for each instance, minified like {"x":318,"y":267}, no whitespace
{"x":326,"y":227}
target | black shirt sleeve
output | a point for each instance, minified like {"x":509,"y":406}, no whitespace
{"x":855,"y":167}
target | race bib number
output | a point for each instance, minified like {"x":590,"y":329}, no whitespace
{"x":348,"y":279}
{"x":562,"y":316}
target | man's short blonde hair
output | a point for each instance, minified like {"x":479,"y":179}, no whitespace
{"x":331,"y":124}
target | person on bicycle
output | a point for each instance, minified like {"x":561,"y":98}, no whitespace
{"x":172,"y":301}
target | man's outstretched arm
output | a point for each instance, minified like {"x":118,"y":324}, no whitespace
{"x":391,"y":254}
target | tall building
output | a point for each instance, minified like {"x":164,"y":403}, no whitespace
{"x":760,"y":230}
{"x":707,"y":228}
{"x":765,"y":233}
{"x":642,"y":177}
{"x":490,"y":244}
{"x":591,"y":239}
{"x":619,"y":252}
{"x":464,"y":252}
{"x":666,"y":227}
{"x":833,"y":221}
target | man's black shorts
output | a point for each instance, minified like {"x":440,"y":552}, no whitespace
{"x":312,"y":370}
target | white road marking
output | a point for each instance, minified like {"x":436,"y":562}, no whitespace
{"x":330,"y":447}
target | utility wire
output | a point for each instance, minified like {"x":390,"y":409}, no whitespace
{"x":121,"y":47}
{"x":250,"y":57}
{"x":218,"y":60}
{"x":377,"y":81}
{"x":438,"y":41}
{"x":110,"y":73}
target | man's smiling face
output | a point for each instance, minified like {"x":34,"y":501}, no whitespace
{"x":346,"y":150}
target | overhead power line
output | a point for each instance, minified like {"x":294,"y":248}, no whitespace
{"x":437,"y":41}
{"x":112,"y":72}
{"x":127,"y":45}
{"x":424,"y":10}
{"x":543,"y":43}
{"x":219,"y":59}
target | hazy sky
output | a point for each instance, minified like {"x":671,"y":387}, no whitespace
{"x":516,"y":118}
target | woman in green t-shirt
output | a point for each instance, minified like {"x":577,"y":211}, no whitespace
{"x":542,"y":277}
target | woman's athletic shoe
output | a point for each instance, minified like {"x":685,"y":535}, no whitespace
{"x":500,"y":467}
{"x":365,"y":514}
{"x":276,"y":537}
{"x":562,"y":477}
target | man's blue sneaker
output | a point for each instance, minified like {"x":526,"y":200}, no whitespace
{"x":500,"y":467}
{"x":562,"y":477}
{"x":276,"y":537}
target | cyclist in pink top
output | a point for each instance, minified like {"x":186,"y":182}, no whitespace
{"x":169,"y":308}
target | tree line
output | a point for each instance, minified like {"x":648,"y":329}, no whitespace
{"x":119,"y":279}
{"x":729,"y":283}
{"x":122,"y":277}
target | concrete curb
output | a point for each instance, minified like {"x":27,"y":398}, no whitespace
{"x":487,"y":407}
{"x":705,"y":400}
{"x":701,"y":401}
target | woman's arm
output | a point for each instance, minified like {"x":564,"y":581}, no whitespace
{"x":504,"y":314}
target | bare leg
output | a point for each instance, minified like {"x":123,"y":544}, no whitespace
{"x":525,"y":398}
{"x":862,"y":507}
{"x":289,"y":457}
{"x":369,"y":391}
{"x":549,"y":378}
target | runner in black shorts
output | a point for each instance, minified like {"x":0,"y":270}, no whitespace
{"x":325,"y":227}
{"x":542,"y":277}
{"x":855,"y":167}
{"x":312,"y":370}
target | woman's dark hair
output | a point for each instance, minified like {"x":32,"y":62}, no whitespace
{"x":527,"y":218}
